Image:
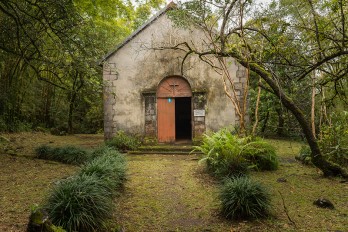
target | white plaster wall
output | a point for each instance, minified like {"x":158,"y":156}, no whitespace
{"x":141,"y":68}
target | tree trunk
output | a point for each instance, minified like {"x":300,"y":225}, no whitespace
{"x":71,"y":110}
{"x":264,"y":126}
{"x":280,"y":128}
{"x":257,"y":109}
{"x":327,"y":167}
{"x":313,"y":107}
{"x":77,"y":85}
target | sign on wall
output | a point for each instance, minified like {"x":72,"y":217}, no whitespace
{"x":199,"y":113}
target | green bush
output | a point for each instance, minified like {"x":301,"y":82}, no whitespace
{"x":66,"y":154}
{"x":305,"y":155}
{"x":80,"y":203}
{"x":230,"y":155}
{"x":334,"y":139}
{"x":109,"y":168}
{"x":222,"y":154}
{"x":123,"y":142}
{"x":261,"y":155}
{"x":243,"y":198}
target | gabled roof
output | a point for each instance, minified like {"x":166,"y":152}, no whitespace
{"x":170,"y":6}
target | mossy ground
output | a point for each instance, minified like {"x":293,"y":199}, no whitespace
{"x":171,"y":192}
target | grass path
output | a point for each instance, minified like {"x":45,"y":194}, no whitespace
{"x":168,"y":193}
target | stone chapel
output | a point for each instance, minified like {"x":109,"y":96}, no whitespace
{"x":152,"y":93}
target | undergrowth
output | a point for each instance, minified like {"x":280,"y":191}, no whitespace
{"x":226,"y":154}
{"x":66,"y":154}
{"x":84,"y":201}
{"x":80,"y":203}
{"x":109,"y":168}
{"x":124,"y":142}
{"x":332,"y":140}
{"x":243,"y":198}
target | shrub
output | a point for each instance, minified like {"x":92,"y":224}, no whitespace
{"x":305,"y":155}
{"x":67,"y":154}
{"x":230,"y":155}
{"x":80,"y":203}
{"x":261,"y":155}
{"x":243,"y":198}
{"x":334,"y":139}
{"x":109,"y":168}
{"x":222,"y":154}
{"x":123,"y":142}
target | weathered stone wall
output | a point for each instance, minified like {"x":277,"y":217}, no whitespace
{"x":130,"y":101}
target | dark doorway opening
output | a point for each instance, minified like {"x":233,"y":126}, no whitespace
{"x":183,"y":128}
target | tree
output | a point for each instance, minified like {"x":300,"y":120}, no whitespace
{"x":299,"y":38}
{"x":52,"y":47}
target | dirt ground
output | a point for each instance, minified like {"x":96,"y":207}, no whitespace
{"x":170,"y":192}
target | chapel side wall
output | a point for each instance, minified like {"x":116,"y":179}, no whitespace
{"x":141,"y":69}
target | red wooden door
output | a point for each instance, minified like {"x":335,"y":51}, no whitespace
{"x":166,"y":120}
{"x":169,"y":89}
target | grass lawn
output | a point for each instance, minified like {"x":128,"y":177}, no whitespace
{"x":171,"y":193}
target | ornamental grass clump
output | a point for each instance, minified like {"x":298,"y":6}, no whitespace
{"x":84,"y":202}
{"x":243,"y":198}
{"x":65,"y":154}
{"x":109,"y":168}
{"x":80,"y":203}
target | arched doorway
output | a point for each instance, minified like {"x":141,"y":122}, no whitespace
{"x":174,"y":110}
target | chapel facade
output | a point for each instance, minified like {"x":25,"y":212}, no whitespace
{"x":149,"y":91}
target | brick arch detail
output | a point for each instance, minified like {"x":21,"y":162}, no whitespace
{"x":174,"y":86}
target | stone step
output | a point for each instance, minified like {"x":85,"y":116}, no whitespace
{"x":166,"y":149}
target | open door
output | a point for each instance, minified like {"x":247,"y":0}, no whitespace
{"x":183,"y":119}
{"x":170,"y":118}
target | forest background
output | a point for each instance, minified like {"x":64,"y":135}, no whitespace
{"x":50,"y":78}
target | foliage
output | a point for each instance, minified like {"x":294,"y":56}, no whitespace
{"x":49,"y":74}
{"x":80,"y":203}
{"x":83,"y":202}
{"x":124,"y":142}
{"x":109,"y":168}
{"x":228,"y":155}
{"x":293,"y":47}
{"x":101,"y":150}
{"x":304,"y":155}
{"x":261,"y":154}
{"x":243,"y":198}
{"x":66,"y":154}
{"x":334,"y":139}
{"x":222,"y":154}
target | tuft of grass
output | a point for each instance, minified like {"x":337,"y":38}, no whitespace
{"x":84,"y":202}
{"x":109,"y":168}
{"x":80,"y":203}
{"x":65,"y":154}
{"x":243,"y":198}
